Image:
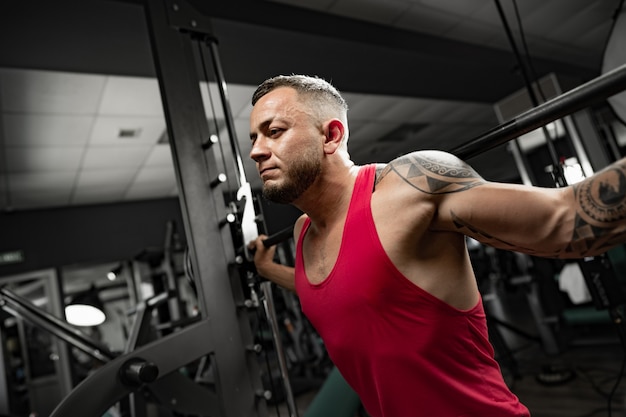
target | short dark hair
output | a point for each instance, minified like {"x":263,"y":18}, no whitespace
{"x":312,"y":86}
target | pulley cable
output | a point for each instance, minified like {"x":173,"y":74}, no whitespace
{"x":214,"y":121}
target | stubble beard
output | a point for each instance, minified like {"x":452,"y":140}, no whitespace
{"x":297,"y":179}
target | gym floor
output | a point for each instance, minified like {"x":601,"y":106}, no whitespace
{"x":577,"y":378}
{"x":584,"y":377}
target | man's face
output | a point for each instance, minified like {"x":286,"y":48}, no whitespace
{"x":286,"y":145}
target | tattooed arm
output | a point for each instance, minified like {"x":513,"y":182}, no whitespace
{"x":581,"y":220}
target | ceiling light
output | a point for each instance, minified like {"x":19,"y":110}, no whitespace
{"x":85,"y":309}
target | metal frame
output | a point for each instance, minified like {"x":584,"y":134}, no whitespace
{"x":155,"y":364}
{"x":172,"y":24}
{"x":24,"y":310}
{"x":222,"y":336}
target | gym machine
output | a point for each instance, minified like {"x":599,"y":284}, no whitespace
{"x":217,"y":256}
{"x":217,"y":231}
{"x":606,"y":291}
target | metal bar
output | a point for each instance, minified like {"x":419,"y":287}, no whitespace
{"x":140,"y":329}
{"x":278,"y":237}
{"x":230,"y":123}
{"x":17,"y":306}
{"x":248,"y":225}
{"x":270,"y":312}
{"x":569,"y":102}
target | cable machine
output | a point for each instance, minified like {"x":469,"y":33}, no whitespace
{"x":219,"y":218}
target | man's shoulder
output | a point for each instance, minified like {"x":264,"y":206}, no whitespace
{"x":430,"y":171}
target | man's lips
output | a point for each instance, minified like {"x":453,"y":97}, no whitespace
{"x":264,"y":172}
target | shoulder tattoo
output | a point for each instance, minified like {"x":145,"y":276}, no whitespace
{"x":433,"y":172}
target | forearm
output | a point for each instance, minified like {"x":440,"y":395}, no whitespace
{"x":279,"y":274}
{"x":587,"y":218}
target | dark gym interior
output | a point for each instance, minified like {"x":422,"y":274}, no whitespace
{"x":117,"y":118}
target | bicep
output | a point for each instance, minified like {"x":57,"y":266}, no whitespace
{"x":536,"y":221}
{"x":533,"y":220}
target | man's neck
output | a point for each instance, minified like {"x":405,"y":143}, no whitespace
{"x":327,"y":200}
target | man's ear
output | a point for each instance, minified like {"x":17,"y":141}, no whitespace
{"x":334,"y":132}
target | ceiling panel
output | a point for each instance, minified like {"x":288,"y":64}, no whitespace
{"x":27,"y":129}
{"x":152,"y":182}
{"x":369,"y":107}
{"x":478,"y":32}
{"x":32,"y":91}
{"x":44,"y":159}
{"x":95,"y":178}
{"x":434,"y":112}
{"x":426,"y":20}
{"x":160,"y":155}
{"x":588,"y":16}
{"x":404,"y":110}
{"x":540,"y":19}
{"x":97,"y":157}
{"x":110,"y":130}
{"x":102,"y":185}
{"x":135,"y":96}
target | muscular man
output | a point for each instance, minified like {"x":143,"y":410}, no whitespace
{"x":382,"y":270}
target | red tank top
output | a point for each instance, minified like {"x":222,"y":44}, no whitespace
{"x":405,"y":352}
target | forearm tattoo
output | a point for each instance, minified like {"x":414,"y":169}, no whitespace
{"x":601,"y":206}
{"x":433,"y":172}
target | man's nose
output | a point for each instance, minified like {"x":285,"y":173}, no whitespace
{"x":259,"y":151}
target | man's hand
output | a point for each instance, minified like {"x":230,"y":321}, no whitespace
{"x":263,"y":256}
{"x":266,"y":267}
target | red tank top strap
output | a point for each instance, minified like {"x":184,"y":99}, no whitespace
{"x":363,"y":188}
{"x":361,"y":196}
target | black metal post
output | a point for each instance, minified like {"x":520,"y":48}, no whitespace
{"x":211,"y":247}
{"x":569,"y":102}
